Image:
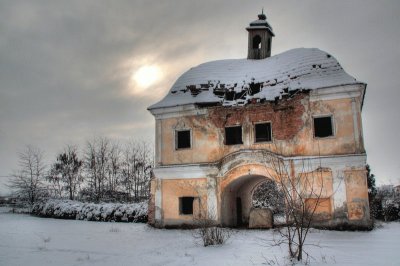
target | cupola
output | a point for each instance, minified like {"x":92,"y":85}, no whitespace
{"x":260,"y":38}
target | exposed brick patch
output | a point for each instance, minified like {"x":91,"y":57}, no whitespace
{"x":286,"y":115}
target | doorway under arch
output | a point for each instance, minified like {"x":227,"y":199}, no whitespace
{"x":236,"y":200}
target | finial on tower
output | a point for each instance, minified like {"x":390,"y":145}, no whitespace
{"x":262,"y":16}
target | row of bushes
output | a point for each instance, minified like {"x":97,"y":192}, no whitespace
{"x":107,"y":212}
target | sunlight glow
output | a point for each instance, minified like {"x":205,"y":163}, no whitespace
{"x":147,"y":76}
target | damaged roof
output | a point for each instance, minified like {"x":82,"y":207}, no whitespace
{"x":236,"y":82}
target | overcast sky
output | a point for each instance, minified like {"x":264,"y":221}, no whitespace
{"x":67,"y":68}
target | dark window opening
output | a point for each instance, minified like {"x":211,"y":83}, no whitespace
{"x":233,"y":135}
{"x":263,"y":132}
{"x":269,"y":44}
{"x":239,"y":212}
{"x":323,"y":127}
{"x":186,"y":205}
{"x":257,"y":42}
{"x":183,"y":139}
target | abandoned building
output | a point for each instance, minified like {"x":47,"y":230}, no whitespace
{"x":223,"y":121}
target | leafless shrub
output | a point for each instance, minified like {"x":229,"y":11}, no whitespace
{"x":206,"y":229}
{"x":210,"y":234}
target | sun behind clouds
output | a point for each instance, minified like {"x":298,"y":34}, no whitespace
{"x":146,"y":76}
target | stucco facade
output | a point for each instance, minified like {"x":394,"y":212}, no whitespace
{"x":218,"y":179}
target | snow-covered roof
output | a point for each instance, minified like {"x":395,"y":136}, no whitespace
{"x":239,"y":81}
{"x":261,"y":23}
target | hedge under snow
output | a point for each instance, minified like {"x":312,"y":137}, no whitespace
{"x":107,"y":212}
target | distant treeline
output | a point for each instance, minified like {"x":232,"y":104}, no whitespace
{"x":102,"y":170}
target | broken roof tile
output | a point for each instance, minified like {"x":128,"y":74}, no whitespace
{"x":296,"y":69}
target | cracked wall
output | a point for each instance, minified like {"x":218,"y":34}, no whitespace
{"x":292,"y":130}
{"x":292,"y":135}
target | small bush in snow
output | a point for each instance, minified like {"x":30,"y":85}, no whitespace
{"x":212,"y":235}
{"x":107,"y":212}
{"x":209,"y":233}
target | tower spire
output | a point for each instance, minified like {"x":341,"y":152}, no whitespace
{"x":260,"y":38}
{"x":262,"y":16}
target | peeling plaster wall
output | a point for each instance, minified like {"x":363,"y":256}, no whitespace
{"x":349,"y":185}
{"x":292,"y":130}
{"x":357,"y":194}
{"x":172,"y":190}
{"x":217,"y":173}
{"x":343,"y":179}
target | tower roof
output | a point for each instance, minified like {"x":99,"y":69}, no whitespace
{"x":261,"y":23}
{"x":256,"y":80}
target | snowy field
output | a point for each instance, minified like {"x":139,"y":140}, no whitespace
{"x":27,"y":240}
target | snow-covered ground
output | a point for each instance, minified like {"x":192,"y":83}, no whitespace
{"x":27,"y":240}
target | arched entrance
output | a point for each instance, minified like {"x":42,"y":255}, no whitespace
{"x":237,"y":200}
{"x":237,"y":189}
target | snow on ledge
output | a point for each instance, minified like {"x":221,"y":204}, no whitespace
{"x":236,"y":82}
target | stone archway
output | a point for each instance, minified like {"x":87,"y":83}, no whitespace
{"x":237,"y":189}
{"x":236,"y":200}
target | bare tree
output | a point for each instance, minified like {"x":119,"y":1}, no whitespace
{"x":114,"y":165}
{"x":95,"y":165}
{"x":136,"y":168}
{"x":107,"y":171}
{"x":28,"y":182}
{"x":55,"y":188}
{"x":115,"y":172}
{"x":127,"y":167}
{"x":144,"y":167}
{"x":302,"y":192}
{"x":66,"y":171}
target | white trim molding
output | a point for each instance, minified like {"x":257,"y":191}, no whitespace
{"x":337,"y":92}
{"x":177,"y":111}
{"x":216,"y":169}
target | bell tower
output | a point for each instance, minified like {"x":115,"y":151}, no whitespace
{"x":260,"y":38}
